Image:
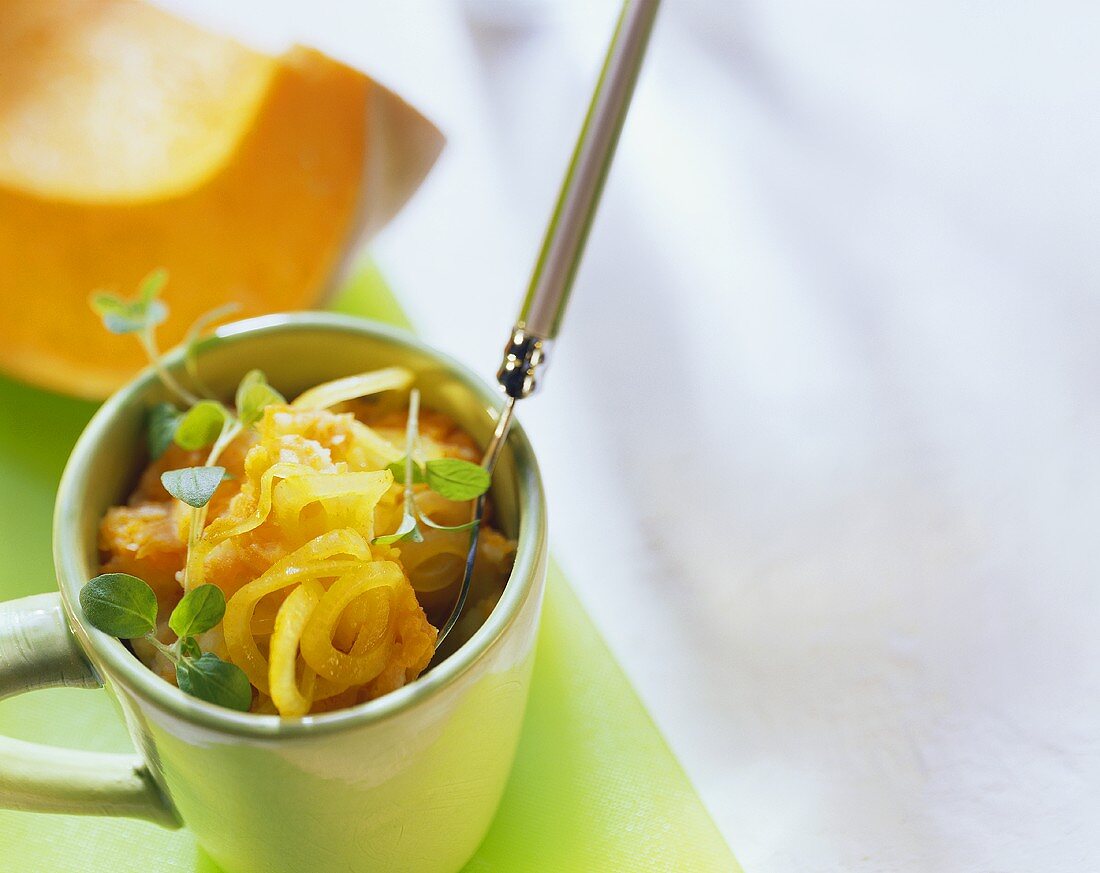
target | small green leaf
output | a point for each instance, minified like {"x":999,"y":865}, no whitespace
{"x":201,"y":425}
{"x":398,"y":470}
{"x":193,"y":485}
{"x":161,"y":423}
{"x":104,"y":303}
{"x":189,"y":648}
{"x":199,"y":610}
{"x":253,"y":394}
{"x":456,"y":479}
{"x":119,"y":604}
{"x":130,"y":316}
{"x":120,"y":316}
{"x":407,"y":531}
{"x":151,"y":286}
{"x":216,"y":681}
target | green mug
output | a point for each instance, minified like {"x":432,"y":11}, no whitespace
{"x":408,"y":782}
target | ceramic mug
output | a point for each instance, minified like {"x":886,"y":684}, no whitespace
{"x":407,"y":782}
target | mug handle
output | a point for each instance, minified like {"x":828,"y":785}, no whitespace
{"x":37,"y":650}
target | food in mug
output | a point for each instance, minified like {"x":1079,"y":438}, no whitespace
{"x":296,"y":557}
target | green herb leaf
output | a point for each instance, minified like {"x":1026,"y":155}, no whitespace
{"x":201,"y":425}
{"x":456,"y":479}
{"x":216,"y":681}
{"x":130,"y":316}
{"x":193,"y":485}
{"x":120,"y":605}
{"x":398,"y":470}
{"x":189,"y":648}
{"x":160,"y":429}
{"x":125,"y":316}
{"x":151,"y":286}
{"x":407,"y":531}
{"x":253,"y":394}
{"x":199,"y":610}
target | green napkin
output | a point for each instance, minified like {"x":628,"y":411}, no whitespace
{"x":595,"y":788}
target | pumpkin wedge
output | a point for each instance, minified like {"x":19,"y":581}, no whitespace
{"x":130,"y":140}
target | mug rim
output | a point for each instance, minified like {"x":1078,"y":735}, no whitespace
{"x":125,"y":668}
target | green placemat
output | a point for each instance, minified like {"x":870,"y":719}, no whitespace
{"x":595,"y":788}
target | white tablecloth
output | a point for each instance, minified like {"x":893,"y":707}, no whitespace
{"x":821,"y":437}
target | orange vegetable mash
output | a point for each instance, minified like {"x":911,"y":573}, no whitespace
{"x":316,"y":616}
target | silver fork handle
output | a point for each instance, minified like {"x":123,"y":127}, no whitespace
{"x":541,"y":315}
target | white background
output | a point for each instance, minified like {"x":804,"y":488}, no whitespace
{"x":821,"y":437}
